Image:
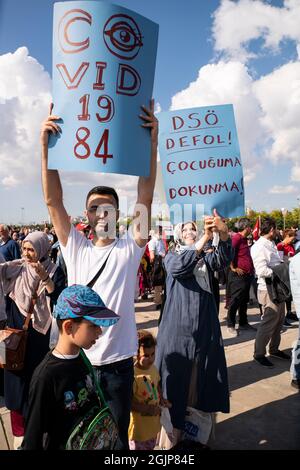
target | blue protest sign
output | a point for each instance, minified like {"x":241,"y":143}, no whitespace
{"x":200,"y":160}
{"x":103,"y":71}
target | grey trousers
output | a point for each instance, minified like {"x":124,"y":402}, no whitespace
{"x":270,"y":325}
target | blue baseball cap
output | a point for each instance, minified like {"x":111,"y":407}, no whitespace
{"x":79,"y":301}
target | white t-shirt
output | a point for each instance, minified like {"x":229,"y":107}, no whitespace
{"x":116,"y":287}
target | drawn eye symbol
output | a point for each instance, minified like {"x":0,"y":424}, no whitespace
{"x":122,"y":36}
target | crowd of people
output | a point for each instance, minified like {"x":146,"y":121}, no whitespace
{"x":135,"y":377}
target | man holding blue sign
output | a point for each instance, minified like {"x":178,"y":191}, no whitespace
{"x":119,"y":260}
{"x":103,"y":69}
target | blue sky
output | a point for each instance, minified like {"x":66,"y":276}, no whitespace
{"x":188,"y":35}
{"x":210,"y":52}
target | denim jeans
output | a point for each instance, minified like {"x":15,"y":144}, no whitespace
{"x":295,"y":366}
{"x":116,"y":381}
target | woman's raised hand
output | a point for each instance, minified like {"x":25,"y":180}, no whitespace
{"x":40,"y":270}
{"x":220,"y":226}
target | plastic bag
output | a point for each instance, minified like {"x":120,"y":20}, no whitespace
{"x":198,"y":425}
{"x":166,"y":437}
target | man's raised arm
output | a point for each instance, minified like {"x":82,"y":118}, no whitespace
{"x":142,"y":212}
{"x":52,"y":188}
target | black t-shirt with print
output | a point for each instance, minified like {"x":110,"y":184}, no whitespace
{"x":61,"y":393}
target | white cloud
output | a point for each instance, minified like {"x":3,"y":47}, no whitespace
{"x":24,"y":100}
{"x":157,"y":108}
{"x":237,"y":23}
{"x":279,"y":97}
{"x":295,"y":176}
{"x":250,"y":173}
{"x":10,"y":181}
{"x":283,"y":189}
{"x":267,"y":109}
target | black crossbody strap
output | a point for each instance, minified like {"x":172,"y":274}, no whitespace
{"x":92,"y":282}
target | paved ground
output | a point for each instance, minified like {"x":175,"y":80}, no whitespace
{"x":265,"y":409}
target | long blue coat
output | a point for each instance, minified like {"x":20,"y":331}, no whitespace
{"x":190,"y":331}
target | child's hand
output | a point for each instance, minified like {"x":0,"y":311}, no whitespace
{"x":152,"y":410}
{"x":165,"y":403}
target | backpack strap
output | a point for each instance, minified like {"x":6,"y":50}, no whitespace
{"x":96,"y":383}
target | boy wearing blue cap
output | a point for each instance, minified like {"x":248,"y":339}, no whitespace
{"x":64,"y":396}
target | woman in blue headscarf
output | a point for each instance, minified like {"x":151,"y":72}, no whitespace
{"x":190,"y":353}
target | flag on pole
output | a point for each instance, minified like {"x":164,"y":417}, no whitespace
{"x":256,"y":229}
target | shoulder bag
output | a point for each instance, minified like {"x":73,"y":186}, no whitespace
{"x":13,"y":344}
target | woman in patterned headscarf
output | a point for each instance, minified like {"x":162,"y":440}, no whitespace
{"x":34,"y":279}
